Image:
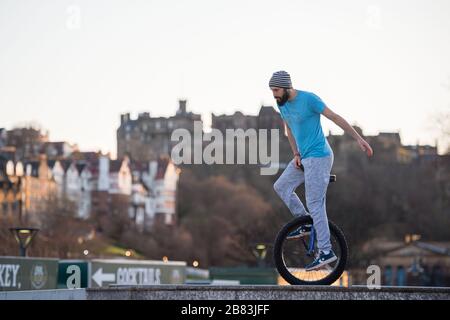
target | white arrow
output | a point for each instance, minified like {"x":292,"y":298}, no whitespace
{"x":99,"y":277}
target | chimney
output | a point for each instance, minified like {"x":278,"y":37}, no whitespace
{"x":103,"y":174}
{"x":124,"y":118}
{"x":152,"y":169}
{"x":182,"y":107}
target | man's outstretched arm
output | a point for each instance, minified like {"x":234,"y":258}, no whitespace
{"x":341,"y":122}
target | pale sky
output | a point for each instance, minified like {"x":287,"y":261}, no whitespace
{"x":75,"y":66}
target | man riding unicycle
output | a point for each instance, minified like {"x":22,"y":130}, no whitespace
{"x":300,"y":111}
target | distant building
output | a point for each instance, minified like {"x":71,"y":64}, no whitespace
{"x":39,"y":186}
{"x":25,"y":188}
{"x":10,"y":188}
{"x":411,"y":263}
{"x":58,"y":150}
{"x":3,"y":137}
{"x":93,"y":182}
{"x":267,"y":118}
{"x":99,"y":186}
{"x":27,"y":141}
{"x":72,"y":184}
{"x":108,"y":186}
{"x":235,"y":121}
{"x":422,"y":153}
{"x":387,"y":147}
{"x":30,"y":143}
{"x":146,"y":138}
{"x":155,"y":189}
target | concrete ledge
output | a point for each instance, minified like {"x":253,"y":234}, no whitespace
{"x":60,"y":294}
{"x":235,"y":292}
{"x":266,"y":292}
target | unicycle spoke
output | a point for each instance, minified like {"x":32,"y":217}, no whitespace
{"x":328,"y":268}
{"x":304,"y":244}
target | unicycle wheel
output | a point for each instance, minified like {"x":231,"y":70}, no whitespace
{"x":292,"y":255}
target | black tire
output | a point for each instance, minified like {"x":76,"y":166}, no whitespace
{"x":279,"y":260}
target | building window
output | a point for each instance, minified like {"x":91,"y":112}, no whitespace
{"x":388,"y":276}
{"x":158,"y":125}
{"x":5,"y":207}
{"x":401,"y":276}
{"x":437,"y":276}
{"x":425,"y":277}
{"x":10,"y":168}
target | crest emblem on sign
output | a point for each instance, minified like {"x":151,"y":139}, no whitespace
{"x":38,"y":276}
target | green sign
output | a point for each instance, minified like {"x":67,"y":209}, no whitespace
{"x":73,"y":274}
{"x":136,"y":272}
{"x":22,"y":273}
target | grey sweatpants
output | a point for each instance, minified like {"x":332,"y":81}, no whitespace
{"x":316,"y":178}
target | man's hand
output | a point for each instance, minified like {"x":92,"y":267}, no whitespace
{"x":297,"y":161}
{"x":365,"y":147}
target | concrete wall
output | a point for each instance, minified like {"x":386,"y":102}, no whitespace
{"x":208,"y":292}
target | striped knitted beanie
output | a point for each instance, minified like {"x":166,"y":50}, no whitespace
{"x":281,"y":79}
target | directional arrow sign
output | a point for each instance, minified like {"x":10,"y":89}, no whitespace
{"x":135,"y":272}
{"x":99,"y":277}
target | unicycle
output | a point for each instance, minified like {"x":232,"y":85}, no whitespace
{"x":292,"y":255}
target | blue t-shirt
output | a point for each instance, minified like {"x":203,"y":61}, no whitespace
{"x":302,"y":115}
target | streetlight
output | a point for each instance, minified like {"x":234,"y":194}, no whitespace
{"x":23,"y":236}
{"x":260,"y":253}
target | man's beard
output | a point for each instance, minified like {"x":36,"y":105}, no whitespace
{"x":283,"y":99}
